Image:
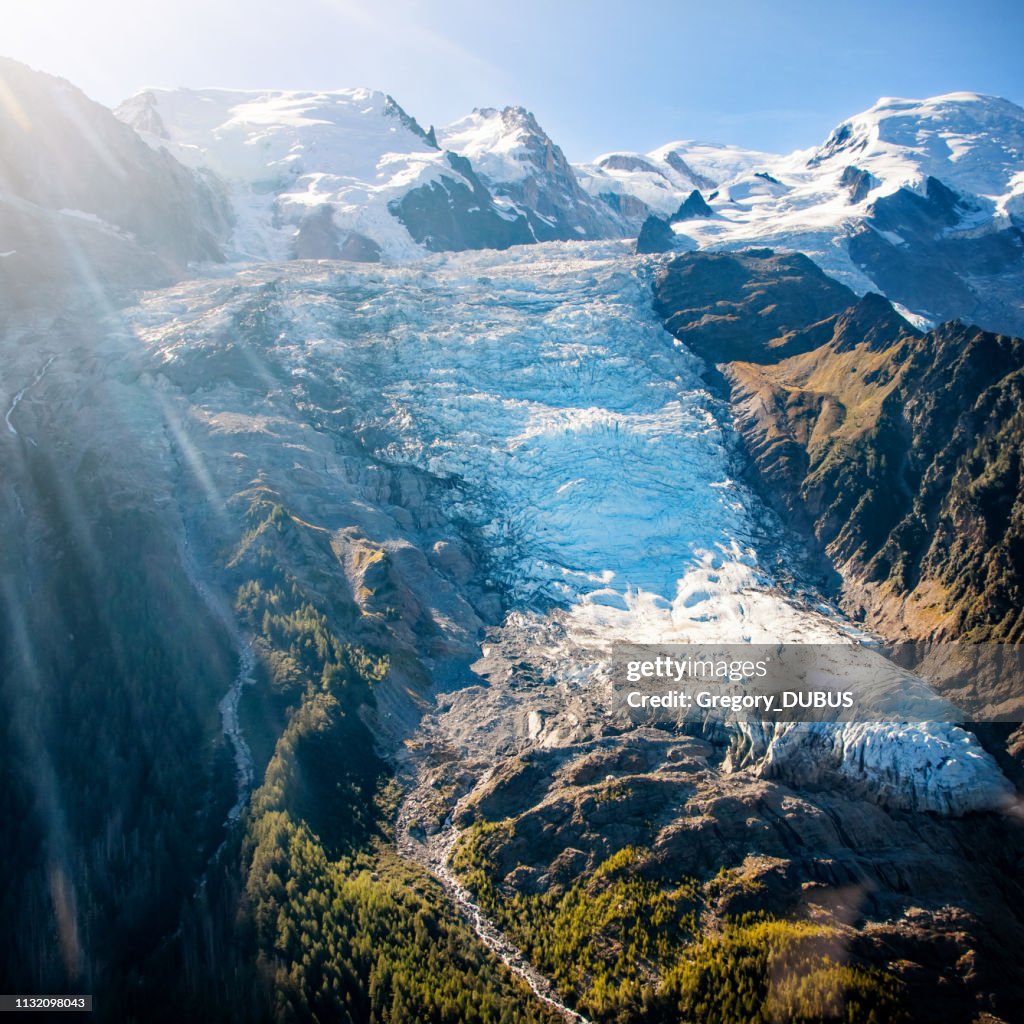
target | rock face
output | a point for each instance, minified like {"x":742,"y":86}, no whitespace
{"x":84,"y":198}
{"x":656,"y":235}
{"x":896,"y":448}
{"x":917,"y":492}
{"x":925,"y":251}
{"x":691,"y":208}
{"x":457,"y":212}
{"x":318,"y":238}
{"x":859,"y":183}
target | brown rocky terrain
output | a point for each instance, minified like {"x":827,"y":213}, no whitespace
{"x":898,"y":450}
{"x":905,"y":893}
{"x":726,"y":306}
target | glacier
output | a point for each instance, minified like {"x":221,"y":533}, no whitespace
{"x":596,"y":464}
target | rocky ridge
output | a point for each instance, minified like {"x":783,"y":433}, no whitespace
{"x":894,"y":447}
{"x":85,"y":203}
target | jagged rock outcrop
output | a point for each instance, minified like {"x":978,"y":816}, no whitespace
{"x":318,"y":237}
{"x":929,"y":252}
{"x":693,"y":206}
{"x":457,"y":212}
{"x":857,"y":182}
{"x":656,"y":235}
{"x":519,"y":163}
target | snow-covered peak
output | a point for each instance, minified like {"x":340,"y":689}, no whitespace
{"x":503,"y":145}
{"x":329,"y":173}
{"x":638,"y":184}
{"x":249,"y":136}
{"x":713,"y":163}
{"x":892,"y":194}
{"x":328,"y":161}
{"x":518,"y":160}
{"x":973,"y":143}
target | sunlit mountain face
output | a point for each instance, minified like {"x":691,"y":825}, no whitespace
{"x":342,"y":459}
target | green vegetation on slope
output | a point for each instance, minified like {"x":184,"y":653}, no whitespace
{"x":627,"y":948}
{"x":762,"y":971}
{"x":342,"y":929}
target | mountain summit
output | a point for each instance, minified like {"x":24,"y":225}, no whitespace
{"x":519,"y":161}
{"x":922,"y":200}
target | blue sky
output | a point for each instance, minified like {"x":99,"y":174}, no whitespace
{"x":629,"y":74}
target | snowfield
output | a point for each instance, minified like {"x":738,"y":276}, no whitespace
{"x":663,"y":178}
